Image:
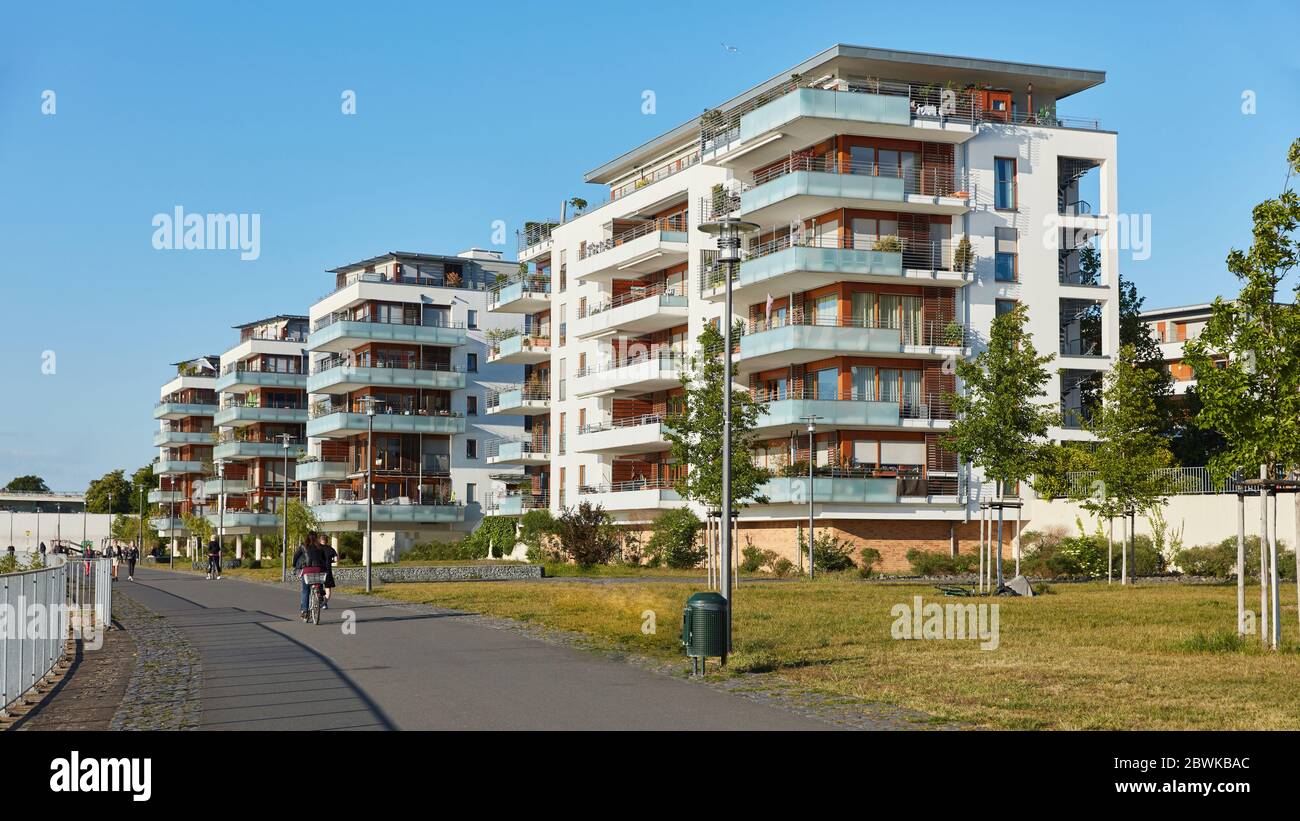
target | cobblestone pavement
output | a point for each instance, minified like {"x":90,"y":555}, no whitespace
{"x":90,"y":690}
{"x":163,"y":693}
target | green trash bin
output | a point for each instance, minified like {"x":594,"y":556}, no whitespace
{"x":704,"y":627}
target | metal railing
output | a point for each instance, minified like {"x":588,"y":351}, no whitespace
{"x":924,"y":333}
{"x":527,"y":393}
{"x":666,"y":359}
{"x":330,"y":319}
{"x":929,"y":406}
{"x":255,"y":402}
{"x":532,"y":284}
{"x":536,"y":446}
{"x":627,"y":422}
{"x":663,"y":172}
{"x":929,"y":255}
{"x":528,"y":343}
{"x":634,"y":295}
{"x":939,"y":181}
{"x":529,"y":501}
{"x":325,"y":408}
{"x":629,"y":486}
{"x":677,"y":222}
{"x":284,"y":335}
{"x":534,"y":233}
{"x":227,"y":437}
{"x":257,"y":366}
{"x":404,"y":364}
{"x":1169,"y":481}
{"x":73,"y":599}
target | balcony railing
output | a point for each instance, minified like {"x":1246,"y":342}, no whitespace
{"x":677,"y":222}
{"x":928,"y":406}
{"x":229,"y":436}
{"x":525,"y":393}
{"x":666,"y":359}
{"x":256,"y":403}
{"x":330,"y":319}
{"x":526,"y":501}
{"x":256,"y":366}
{"x":927,"y":101}
{"x":925,"y":333}
{"x":526,"y":446}
{"x":281,"y":335}
{"x":628,"y":486}
{"x":532,"y":284}
{"x":926,"y":255}
{"x":619,"y":424}
{"x":528,"y":343}
{"x":534,"y":233}
{"x":405,"y":363}
{"x":320,"y":409}
{"x":634,"y":295}
{"x":939,"y":181}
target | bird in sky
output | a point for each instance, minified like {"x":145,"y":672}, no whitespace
{"x":731,"y":49}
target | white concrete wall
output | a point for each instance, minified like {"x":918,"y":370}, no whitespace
{"x":1202,"y":519}
{"x":24,"y":532}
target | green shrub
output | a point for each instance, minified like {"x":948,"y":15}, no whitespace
{"x":932,"y":563}
{"x":675,"y":540}
{"x":782,"y":567}
{"x":536,"y":528}
{"x":755,"y":559}
{"x":869,"y":557}
{"x":830,"y":553}
{"x":350,"y":548}
{"x":587,"y":534}
{"x":1219,"y":560}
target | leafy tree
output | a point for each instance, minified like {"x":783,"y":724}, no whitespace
{"x":126,"y":528}
{"x":1000,"y":420}
{"x":1190,"y":443}
{"x":676,"y":538}
{"x":28,"y":484}
{"x":301,"y":521}
{"x":587,"y":534}
{"x":144,"y":478}
{"x":199,"y":527}
{"x":1245,"y":360}
{"x":535,"y":528}
{"x":1056,"y":462}
{"x":112,"y":483}
{"x":696,"y":432}
{"x":495,"y":535}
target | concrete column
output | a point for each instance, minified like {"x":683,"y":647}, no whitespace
{"x":239,"y":547}
{"x":176,"y":548}
{"x":257,"y":548}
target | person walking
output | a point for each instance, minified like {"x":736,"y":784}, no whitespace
{"x":113,"y":552}
{"x":214,"y":559}
{"x":132,"y":556}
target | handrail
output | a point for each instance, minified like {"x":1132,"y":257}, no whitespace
{"x":629,"y":485}
{"x":256,"y":366}
{"x":934,"y":406}
{"x":671,"y":357}
{"x":677,"y":222}
{"x":527,"y":445}
{"x":342,"y":316}
{"x":636,"y":295}
{"x":330,"y":363}
{"x":937,"y":181}
{"x":540,"y":393}
{"x":929,"y":255}
{"x":928,"y":332}
{"x":533,"y":283}
{"x":627,"y":422}
{"x":325,"y":408}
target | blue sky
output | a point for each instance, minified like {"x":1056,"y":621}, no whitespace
{"x":483,"y":112}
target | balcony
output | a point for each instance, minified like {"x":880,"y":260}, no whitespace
{"x":177,"y":438}
{"x":514,"y":504}
{"x":804,"y":185}
{"x":180,"y":410}
{"x":388,"y":515}
{"x":175,"y":467}
{"x":639,"y":311}
{"x":336,"y":375}
{"x":339,"y":422}
{"x":638,"y":434}
{"x":518,"y":452}
{"x":519,"y":400}
{"x":641,"y":494}
{"x":235,"y":521}
{"x":235,"y":415}
{"x":535,"y":239}
{"x":849,"y":410}
{"x":651,"y":247}
{"x":213,"y":487}
{"x":524,"y":295}
{"x":520,"y":349}
{"x":773,"y":344}
{"x":170,"y":526}
{"x":236,"y":450}
{"x":318,"y":470}
{"x":158,"y":496}
{"x":655,"y":372}
{"x":337,"y":335}
{"x":805,"y":263}
{"x":238,"y":379}
{"x":831,"y":489}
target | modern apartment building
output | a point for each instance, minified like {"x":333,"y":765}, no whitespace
{"x":902,"y":200}
{"x":184,"y":440}
{"x":262,"y":392}
{"x":1172,"y":328}
{"x":401,"y":346}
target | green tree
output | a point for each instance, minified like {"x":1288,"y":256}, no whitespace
{"x":1056,"y":462}
{"x":1245,"y":360}
{"x":143,"y":479}
{"x":1001,"y":421}
{"x":535,"y":528}
{"x":587,"y":534}
{"x":28,"y":484}
{"x":199,"y":527}
{"x":301,"y":522}
{"x":112,"y":484}
{"x":675,"y":541}
{"x":695,"y":432}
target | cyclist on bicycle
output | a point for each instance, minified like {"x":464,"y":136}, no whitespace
{"x":214,"y":559}
{"x":308,"y":558}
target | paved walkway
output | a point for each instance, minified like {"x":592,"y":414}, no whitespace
{"x":412,"y":667}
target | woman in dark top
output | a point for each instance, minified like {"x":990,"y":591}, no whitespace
{"x":331,"y":559}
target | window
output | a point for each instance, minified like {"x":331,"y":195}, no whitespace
{"x":1006,"y":262}
{"x":471,"y":319}
{"x":470,"y":490}
{"x":471,"y":363}
{"x":471,"y":405}
{"x":1004,"y":189}
{"x":827,"y":381}
{"x":1003,"y":306}
{"x":471,"y":448}
{"x":560,"y":381}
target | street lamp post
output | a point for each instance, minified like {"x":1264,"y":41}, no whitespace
{"x":728,"y":231}
{"x":284,"y":514}
{"x":221,"y":511}
{"x":58,"y":523}
{"x":811,"y":419}
{"x":140,"y":529}
{"x":370,"y":489}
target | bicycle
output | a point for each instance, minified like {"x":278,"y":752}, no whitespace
{"x":316,"y":582}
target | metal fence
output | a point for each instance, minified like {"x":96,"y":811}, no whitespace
{"x":71,"y":597}
{"x":1170,"y":481}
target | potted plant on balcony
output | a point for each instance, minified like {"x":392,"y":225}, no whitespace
{"x":888,"y":243}
{"x":963,"y":256}
{"x":953,"y":333}
{"x":579,"y":205}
